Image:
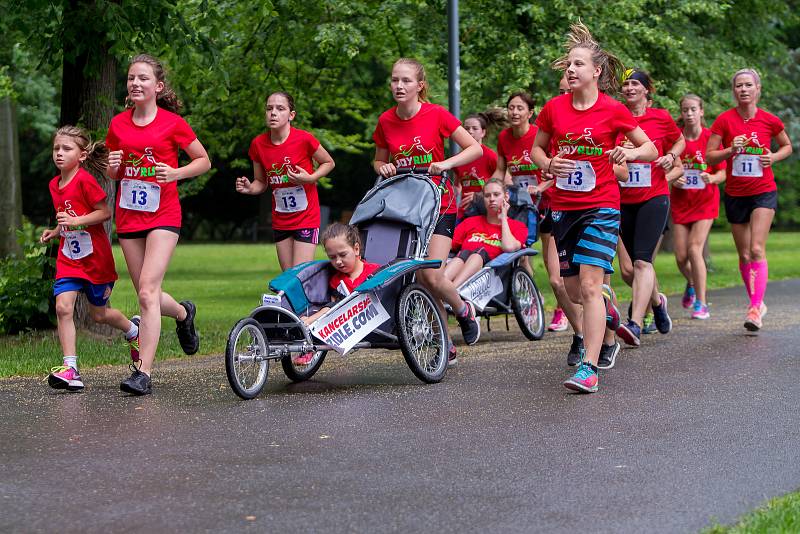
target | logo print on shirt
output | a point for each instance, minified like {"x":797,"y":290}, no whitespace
{"x":489,"y":239}
{"x":278,"y":173}
{"x":472,"y":178}
{"x":134,"y":166}
{"x":752,"y":146}
{"x":522,"y":164}
{"x":583,"y":144}
{"x":695,"y":162}
{"x":414,"y":155}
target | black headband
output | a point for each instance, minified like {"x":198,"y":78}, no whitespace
{"x":640,"y":77}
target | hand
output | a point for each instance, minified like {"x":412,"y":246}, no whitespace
{"x":559,"y":166}
{"x":243,"y":185}
{"x":299,"y":176}
{"x":681,"y":180}
{"x":67,"y":221}
{"x":627,"y":144}
{"x":308,"y":320}
{"x":503,"y":212}
{"x":619,"y":155}
{"x":114,"y":159}
{"x":739,"y":142}
{"x":466,"y":200}
{"x":707,"y":178}
{"x":387,"y":170}
{"x":438,"y":167}
{"x":49,"y":234}
{"x":666,"y":162}
{"x":534,"y":190}
{"x":766,"y":158}
{"x":166,"y":174}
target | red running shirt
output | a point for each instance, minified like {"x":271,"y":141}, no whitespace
{"x":142,"y":147}
{"x":474,"y":176}
{"x":663,"y":132}
{"x":477,"y":232}
{"x":418,"y":142}
{"x":339,"y":277}
{"x":78,"y":198}
{"x":516,"y":151}
{"x":586,"y":136}
{"x":293,"y":206}
{"x":760,"y":130}
{"x":692,"y":203}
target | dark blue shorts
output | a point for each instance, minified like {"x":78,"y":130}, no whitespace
{"x":585,"y":237}
{"x":96,"y":294}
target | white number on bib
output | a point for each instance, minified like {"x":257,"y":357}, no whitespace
{"x":77,"y":244}
{"x":693,"y":180}
{"x":582,"y":178}
{"x":290,"y":199}
{"x":139,"y":196}
{"x":522,"y":181}
{"x":747,"y":165}
{"x":638,"y":175}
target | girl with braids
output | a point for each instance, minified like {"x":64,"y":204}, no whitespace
{"x":583,"y":126}
{"x":751,"y":195}
{"x":471,"y":178}
{"x":84,"y":263}
{"x":143,"y":142}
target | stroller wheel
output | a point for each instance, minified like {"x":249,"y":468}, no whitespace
{"x":422,"y":333}
{"x":297,"y":371}
{"x":526,"y":302}
{"x":246,"y":362}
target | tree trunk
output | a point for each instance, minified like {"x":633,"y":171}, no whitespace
{"x":10,"y":181}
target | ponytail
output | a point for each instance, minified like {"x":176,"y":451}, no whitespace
{"x":611,"y":68}
{"x":491,"y":118}
{"x":96,"y":152}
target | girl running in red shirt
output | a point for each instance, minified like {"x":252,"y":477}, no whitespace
{"x":412,"y":134}
{"x":751,"y":195}
{"x":143,"y":141}
{"x":84,"y":263}
{"x":694,"y":200}
{"x":482,"y":238}
{"x":283,"y":161}
{"x":584,"y":126}
{"x":471,"y":178}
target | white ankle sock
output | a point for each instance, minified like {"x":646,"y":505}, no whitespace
{"x":71,"y":361}
{"x":133,"y":332}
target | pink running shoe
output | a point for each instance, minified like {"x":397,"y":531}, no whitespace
{"x":753,"y":320}
{"x":303,"y":359}
{"x":63,"y":377}
{"x":584,"y":380}
{"x":700,"y":311}
{"x":689,"y":297}
{"x":559,"y":322}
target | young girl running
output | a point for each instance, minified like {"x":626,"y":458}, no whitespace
{"x":412,"y":134}
{"x":645,"y":206}
{"x":694,"y":200}
{"x":143,"y":141}
{"x":482,"y":238}
{"x":84,"y":263}
{"x":283,"y":160}
{"x":471,"y":178}
{"x":584,"y":126}
{"x":751,"y":195}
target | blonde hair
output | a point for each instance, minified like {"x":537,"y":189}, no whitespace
{"x":96,"y":152}
{"x":611,"y":68}
{"x":419,"y":69}
{"x":690,"y":96}
{"x":167,"y":98}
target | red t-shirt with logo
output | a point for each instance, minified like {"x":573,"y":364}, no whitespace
{"x":586,"y":136}
{"x":339,"y":277}
{"x":418,"y":142}
{"x":477,"y":232}
{"x":142,"y":147}
{"x":516,"y":151}
{"x":78,"y":198}
{"x":474,"y":176}
{"x":293,"y":206}
{"x":663,"y":132}
{"x":760,"y":130}
{"x":691,"y":204}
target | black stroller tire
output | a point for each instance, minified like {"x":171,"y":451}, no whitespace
{"x":422,"y":333}
{"x":526,"y":301}
{"x":296,"y":373}
{"x":246,"y":356}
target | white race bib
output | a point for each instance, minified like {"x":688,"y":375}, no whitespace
{"x":693,"y":180}
{"x":582,"y":178}
{"x":523,"y":180}
{"x":638,"y":175}
{"x":290,"y":199}
{"x":139,"y":196}
{"x":748,"y":166}
{"x":77,"y":244}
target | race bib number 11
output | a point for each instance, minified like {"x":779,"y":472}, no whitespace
{"x":747,"y":165}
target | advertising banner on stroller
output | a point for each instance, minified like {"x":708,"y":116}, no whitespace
{"x":350,"y":322}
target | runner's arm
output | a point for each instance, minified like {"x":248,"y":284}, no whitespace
{"x":714,"y":154}
{"x":470,"y":151}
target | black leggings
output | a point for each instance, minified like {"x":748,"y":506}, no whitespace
{"x":642,"y":226}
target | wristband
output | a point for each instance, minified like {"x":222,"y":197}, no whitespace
{"x":550,"y":164}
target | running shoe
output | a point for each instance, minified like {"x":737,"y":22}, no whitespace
{"x":648,"y":324}
{"x":612,"y":313}
{"x":470,"y":325}
{"x":630,"y":333}
{"x":63,"y":377}
{"x":575,"y":351}
{"x":303,"y":359}
{"x":133,"y":342}
{"x":700,"y":311}
{"x":584,"y":380}
{"x":559,"y":322}
{"x":661,"y":315}
{"x":187,"y":333}
{"x":136,"y":384}
{"x":753,"y":320}
{"x":689,"y":297}
{"x":608,"y":355}
{"x":763,"y":309}
{"x":452,"y":355}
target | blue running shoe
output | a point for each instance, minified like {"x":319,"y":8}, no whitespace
{"x":661,"y":316}
{"x":630,"y":333}
{"x":584,"y":380}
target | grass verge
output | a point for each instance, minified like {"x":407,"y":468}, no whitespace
{"x":779,"y":515}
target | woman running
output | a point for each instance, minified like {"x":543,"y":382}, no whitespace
{"x":694,"y":200}
{"x":584,"y":125}
{"x":751,"y":195}
{"x":645,"y":206}
{"x":411,"y":135}
{"x":471,"y":178}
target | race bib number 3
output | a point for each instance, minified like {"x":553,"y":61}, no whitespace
{"x":693,"y":180}
{"x":748,"y":166}
{"x":582,"y":178}
{"x":638,"y":175}
{"x":77,"y":244}
{"x":139,"y":196}
{"x":290,"y":199}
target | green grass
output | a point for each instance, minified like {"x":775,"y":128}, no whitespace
{"x":779,"y":515}
{"x":226,"y":281}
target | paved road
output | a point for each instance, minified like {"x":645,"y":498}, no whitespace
{"x":696,"y":425}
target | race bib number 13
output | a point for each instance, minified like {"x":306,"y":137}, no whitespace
{"x":290,"y":199}
{"x":582,"y":178}
{"x":139,"y":196}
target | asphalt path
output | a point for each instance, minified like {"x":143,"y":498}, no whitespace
{"x":696,"y":426}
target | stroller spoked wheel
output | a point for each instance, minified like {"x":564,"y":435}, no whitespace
{"x":298,"y":370}
{"x":526,"y":301}
{"x":422,"y":333}
{"x":246,"y":362}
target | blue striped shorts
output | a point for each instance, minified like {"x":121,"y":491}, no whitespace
{"x":586,"y":237}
